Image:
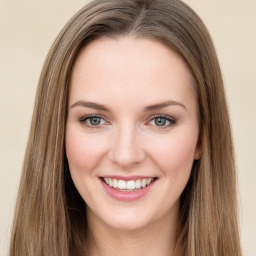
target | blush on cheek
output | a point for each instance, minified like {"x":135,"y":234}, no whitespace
{"x":174,"y":155}
{"x":82,"y":153}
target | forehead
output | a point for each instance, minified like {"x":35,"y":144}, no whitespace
{"x":130,"y":68}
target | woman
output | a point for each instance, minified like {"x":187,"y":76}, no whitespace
{"x":130,"y":149}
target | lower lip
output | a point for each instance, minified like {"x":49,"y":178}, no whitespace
{"x":127,"y":196}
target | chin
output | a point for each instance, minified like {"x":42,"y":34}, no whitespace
{"x":125,"y":219}
{"x":127,"y":224}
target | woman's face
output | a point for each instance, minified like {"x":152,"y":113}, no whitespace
{"x":132,"y":131}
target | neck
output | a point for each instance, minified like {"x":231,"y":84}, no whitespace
{"x":158,"y":238}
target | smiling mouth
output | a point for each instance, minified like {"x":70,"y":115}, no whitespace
{"x":128,"y":186}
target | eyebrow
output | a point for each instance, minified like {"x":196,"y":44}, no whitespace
{"x":88,"y":104}
{"x":97,"y":106}
{"x":163,"y":105}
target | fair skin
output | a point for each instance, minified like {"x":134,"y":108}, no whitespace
{"x":144,"y":126}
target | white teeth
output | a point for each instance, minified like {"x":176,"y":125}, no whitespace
{"x":121,"y":184}
{"x":144,"y":183}
{"x":128,"y":185}
{"x":138,"y":184}
{"x":115,"y":183}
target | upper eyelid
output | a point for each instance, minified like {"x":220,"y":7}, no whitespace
{"x":92,"y":115}
{"x":165,"y":116}
{"x":151,"y":117}
{"x":162,"y":115}
{"x":170,"y":118}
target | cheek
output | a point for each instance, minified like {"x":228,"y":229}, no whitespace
{"x":83,"y":151}
{"x":175,"y":154}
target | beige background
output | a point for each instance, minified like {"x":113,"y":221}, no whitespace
{"x":27,"y":29}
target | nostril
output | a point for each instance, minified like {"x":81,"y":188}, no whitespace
{"x":126,"y":157}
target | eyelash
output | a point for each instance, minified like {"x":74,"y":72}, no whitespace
{"x":90,"y":126}
{"x":84,"y":119}
{"x":171,"y":120}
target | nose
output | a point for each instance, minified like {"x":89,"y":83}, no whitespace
{"x":126,"y":147}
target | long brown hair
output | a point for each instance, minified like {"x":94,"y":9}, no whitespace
{"x":50,"y":216}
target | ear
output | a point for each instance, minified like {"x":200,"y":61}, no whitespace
{"x":198,"y":151}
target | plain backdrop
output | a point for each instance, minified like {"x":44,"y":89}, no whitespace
{"x":27,"y":30}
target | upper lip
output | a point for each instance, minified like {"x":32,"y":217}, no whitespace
{"x":127,"y":178}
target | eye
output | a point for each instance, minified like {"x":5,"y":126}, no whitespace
{"x":162,"y":121}
{"x":93,"y":121}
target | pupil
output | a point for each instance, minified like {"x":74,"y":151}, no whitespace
{"x":160,"y":121}
{"x":95,"y":120}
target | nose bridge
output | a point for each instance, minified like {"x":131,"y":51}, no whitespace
{"x":126,"y":148}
